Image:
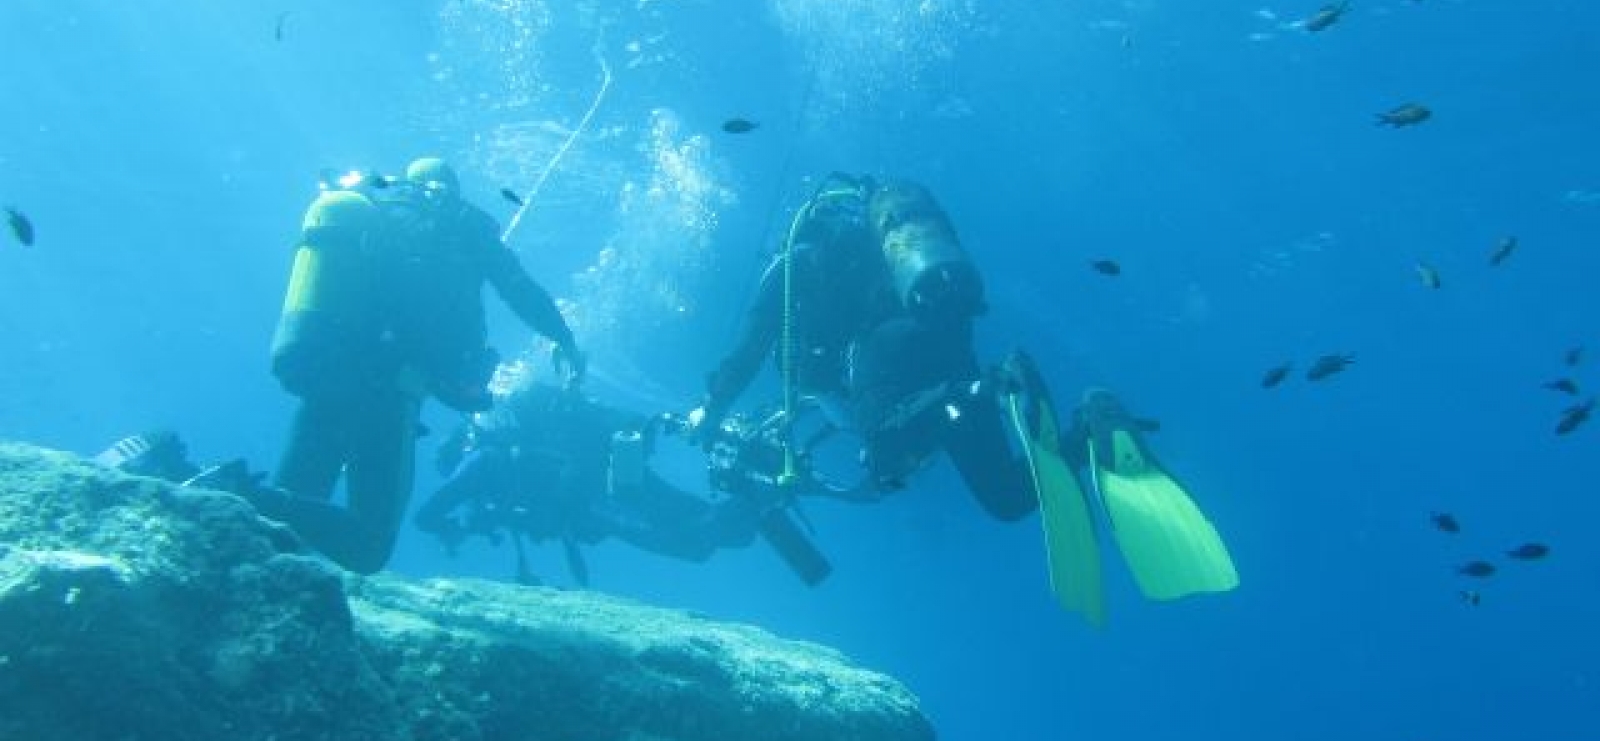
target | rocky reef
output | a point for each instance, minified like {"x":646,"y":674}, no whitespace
{"x":131,"y":609}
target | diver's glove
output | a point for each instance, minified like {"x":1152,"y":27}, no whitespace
{"x":694,"y":424}
{"x":571,"y":363}
{"x":701,"y":424}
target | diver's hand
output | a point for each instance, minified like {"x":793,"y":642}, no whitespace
{"x":571,"y":363}
{"x":697,"y":428}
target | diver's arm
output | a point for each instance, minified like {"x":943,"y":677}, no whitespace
{"x":527,"y":299}
{"x":534,"y":306}
{"x":762,"y":330}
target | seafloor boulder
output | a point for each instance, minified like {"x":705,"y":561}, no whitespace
{"x":138,"y":611}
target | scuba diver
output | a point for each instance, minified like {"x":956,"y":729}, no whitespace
{"x":869,"y":308}
{"x":383,"y":310}
{"x":550,"y":464}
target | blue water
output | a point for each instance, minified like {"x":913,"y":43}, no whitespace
{"x":1225,"y":157}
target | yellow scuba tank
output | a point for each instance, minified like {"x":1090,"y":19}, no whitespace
{"x":933,"y":278}
{"x":321,"y":338}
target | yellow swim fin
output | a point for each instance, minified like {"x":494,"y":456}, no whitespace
{"x":1072,"y":551}
{"x":1169,"y":545}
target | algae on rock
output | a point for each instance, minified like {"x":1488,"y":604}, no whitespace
{"x":134,"y":609}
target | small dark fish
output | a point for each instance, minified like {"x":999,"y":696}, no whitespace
{"x":739,"y":126}
{"x":1326,"y":16}
{"x":279,"y":25}
{"x":1446,"y":522}
{"x":511,"y":196}
{"x":1470,"y":597}
{"x":375,"y":180}
{"x":1328,"y":365}
{"x":1503,"y":251}
{"x":21,"y":227}
{"x":1574,"y":417}
{"x":1276,"y":375}
{"x":1574,"y":356}
{"x":1409,"y":114}
{"x":1564,"y":385}
{"x":1106,"y":267}
{"x":1529,"y":552}
{"x":1476,"y":569}
{"x":1428,"y":275}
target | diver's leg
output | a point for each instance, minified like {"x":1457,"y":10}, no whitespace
{"x":688,"y":528}
{"x":379,"y":435}
{"x":998,"y":478}
{"x":671,"y":522}
{"x":317,"y":448}
{"x":379,"y":477}
{"x":902,"y":374}
{"x":325,"y":526}
{"x":361,"y":436}
{"x":894,"y":363}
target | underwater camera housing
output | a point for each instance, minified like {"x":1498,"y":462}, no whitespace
{"x":746,"y":460}
{"x":745,"y":457}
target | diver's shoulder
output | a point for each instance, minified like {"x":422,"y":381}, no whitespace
{"x":476,"y":224}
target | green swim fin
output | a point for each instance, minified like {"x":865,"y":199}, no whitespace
{"x":1169,"y":545}
{"x":1072,"y":552}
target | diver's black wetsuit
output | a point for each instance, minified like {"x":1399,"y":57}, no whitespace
{"x":408,"y":323}
{"x":538,"y":467}
{"x":906,"y":380}
{"x":918,"y":389}
{"x":840,"y":292}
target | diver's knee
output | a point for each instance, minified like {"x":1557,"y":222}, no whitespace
{"x":365,"y":563}
{"x":367,"y":553}
{"x":1008,"y":508}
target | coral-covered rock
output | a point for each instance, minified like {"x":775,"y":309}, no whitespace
{"x":134,"y":609}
